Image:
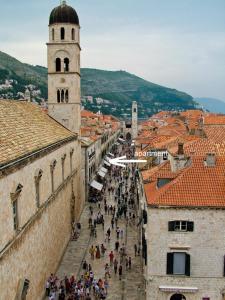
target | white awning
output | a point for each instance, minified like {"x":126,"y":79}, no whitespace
{"x":111,"y":154}
{"x":121,"y":140}
{"x":178,"y":289}
{"x":106,"y":163}
{"x":102,"y":174}
{"x":104,"y":170}
{"x":96,"y":185}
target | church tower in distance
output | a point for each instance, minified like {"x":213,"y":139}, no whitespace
{"x":64,"y":67}
{"x":134,"y":120}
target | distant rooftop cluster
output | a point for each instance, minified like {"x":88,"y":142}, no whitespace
{"x":94,"y":126}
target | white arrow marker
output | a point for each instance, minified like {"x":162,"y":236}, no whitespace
{"x":120,"y":161}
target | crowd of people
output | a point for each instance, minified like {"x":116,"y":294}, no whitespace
{"x":120,"y":187}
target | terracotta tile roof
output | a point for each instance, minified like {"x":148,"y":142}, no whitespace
{"x":194,"y":186}
{"x":214,"y":119}
{"x":87,"y":114}
{"x":25,"y":128}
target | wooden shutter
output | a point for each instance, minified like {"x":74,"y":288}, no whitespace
{"x":187,"y":264}
{"x":190,"y":226}
{"x":171,"y":226}
{"x":169,"y":269}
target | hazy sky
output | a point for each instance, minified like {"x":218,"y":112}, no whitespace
{"x":176,"y":43}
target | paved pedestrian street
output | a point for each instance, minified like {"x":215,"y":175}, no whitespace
{"x":131,"y":284}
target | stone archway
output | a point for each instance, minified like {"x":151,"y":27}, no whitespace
{"x":128,"y":136}
{"x":177,"y":297}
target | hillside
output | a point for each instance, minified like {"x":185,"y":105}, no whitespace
{"x":114,"y":90}
{"x":212,"y":105}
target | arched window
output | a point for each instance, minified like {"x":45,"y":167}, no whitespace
{"x":62,"y":33}
{"x":58,"y":96}
{"x":66,"y":64}
{"x":58,"y":65}
{"x":73,"y":34}
{"x":37,"y":179}
{"x":67,"y":96}
{"x":53,"y":34}
{"x":62,"y":95}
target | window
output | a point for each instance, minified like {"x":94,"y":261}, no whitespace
{"x":58,"y":65}
{"x":71,"y":160}
{"x":181,"y":226}
{"x":135,"y":110}
{"x":14,"y":198}
{"x":15,"y":214}
{"x":37,"y":179}
{"x":178,"y":263}
{"x":53,"y":34}
{"x":63,"y":164}
{"x":62,"y":95}
{"x":58,"y":96}
{"x":73,"y":34}
{"x":52,"y":168}
{"x":66,"y":64}
{"x":62,"y":33}
{"x":67,"y":96}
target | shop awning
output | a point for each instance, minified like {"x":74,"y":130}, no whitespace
{"x":102,"y":174}
{"x":96,"y":185}
{"x":111,"y":154}
{"x":106,"y":163}
{"x":104,"y":170}
{"x":178,"y":289}
{"x":121,"y":140}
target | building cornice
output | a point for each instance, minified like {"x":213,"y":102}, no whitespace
{"x":63,"y":74}
{"x":21,"y":162}
{"x":65,"y":43}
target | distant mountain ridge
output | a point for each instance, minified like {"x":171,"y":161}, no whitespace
{"x":117,"y":89}
{"x":211,"y":104}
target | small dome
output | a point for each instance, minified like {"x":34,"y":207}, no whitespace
{"x":64,"y":14}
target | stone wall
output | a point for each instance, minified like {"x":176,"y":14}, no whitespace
{"x":206,"y":246}
{"x":35,"y":250}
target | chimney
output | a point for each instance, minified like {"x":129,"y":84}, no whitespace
{"x":210,"y":160}
{"x":180,"y":149}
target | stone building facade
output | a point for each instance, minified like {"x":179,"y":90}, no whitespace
{"x":182,"y":241}
{"x":40,"y":169}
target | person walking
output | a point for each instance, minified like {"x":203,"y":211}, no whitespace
{"x":111,"y":257}
{"x":129,"y":263}
{"x":120,"y":272}
{"x":117,"y":245}
{"x":115,"y":263}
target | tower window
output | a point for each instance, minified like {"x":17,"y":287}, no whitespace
{"x":58,"y":65}
{"x":53,"y":34}
{"x":62,"y":33}
{"x":73,"y":34}
{"x":58,"y":96}
{"x":67,"y":96}
{"x":62,"y":95}
{"x":135,"y":110}
{"x":66,"y":64}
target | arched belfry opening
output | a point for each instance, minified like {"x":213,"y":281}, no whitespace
{"x":66,"y":64}
{"x":58,"y":65}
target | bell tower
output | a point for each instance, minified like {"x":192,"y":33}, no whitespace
{"x":134,"y":119}
{"x":64,"y":67}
